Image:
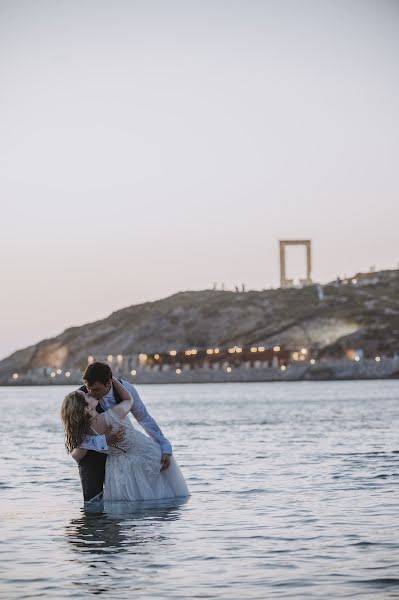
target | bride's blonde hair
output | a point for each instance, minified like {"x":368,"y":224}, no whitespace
{"x":75,"y":419}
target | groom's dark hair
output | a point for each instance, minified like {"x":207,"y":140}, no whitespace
{"x":97,"y":371}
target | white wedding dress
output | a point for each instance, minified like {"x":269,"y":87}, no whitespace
{"x":132,"y":473}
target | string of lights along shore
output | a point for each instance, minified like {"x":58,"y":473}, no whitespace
{"x":193,"y":358}
{"x":227,"y":359}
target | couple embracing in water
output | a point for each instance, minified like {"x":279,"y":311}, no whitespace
{"x":117,"y":461}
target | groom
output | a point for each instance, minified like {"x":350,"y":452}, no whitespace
{"x":98,"y":383}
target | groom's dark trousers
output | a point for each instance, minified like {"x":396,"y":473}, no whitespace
{"x":92,"y":466}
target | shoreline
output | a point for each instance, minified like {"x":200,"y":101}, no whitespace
{"x":339,"y":370}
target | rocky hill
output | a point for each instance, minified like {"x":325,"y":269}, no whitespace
{"x":362,"y":313}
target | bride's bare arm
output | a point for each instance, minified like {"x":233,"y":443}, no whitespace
{"x":124,"y":407}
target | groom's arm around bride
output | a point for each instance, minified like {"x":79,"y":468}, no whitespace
{"x":100,"y":387}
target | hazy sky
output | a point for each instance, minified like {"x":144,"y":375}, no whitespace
{"x":152,"y":147}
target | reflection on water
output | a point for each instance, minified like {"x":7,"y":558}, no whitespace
{"x":95,"y":533}
{"x":109,"y":527}
{"x":106,"y":530}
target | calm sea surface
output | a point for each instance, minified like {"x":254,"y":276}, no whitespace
{"x":294,"y":495}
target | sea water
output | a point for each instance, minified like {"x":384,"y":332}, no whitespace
{"x":294,"y":495}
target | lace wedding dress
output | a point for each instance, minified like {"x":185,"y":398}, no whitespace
{"x":132,"y":471}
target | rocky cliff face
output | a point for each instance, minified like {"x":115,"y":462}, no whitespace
{"x":364,"y":313}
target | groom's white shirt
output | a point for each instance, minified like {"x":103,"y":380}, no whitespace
{"x":140,"y":413}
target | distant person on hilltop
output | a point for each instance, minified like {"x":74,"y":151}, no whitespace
{"x":116,"y":461}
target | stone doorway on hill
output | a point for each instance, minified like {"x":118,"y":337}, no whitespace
{"x":287,"y":282}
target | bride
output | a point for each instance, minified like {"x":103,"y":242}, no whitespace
{"x":132,"y":468}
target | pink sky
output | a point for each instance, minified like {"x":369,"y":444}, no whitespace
{"x":154,"y":147}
